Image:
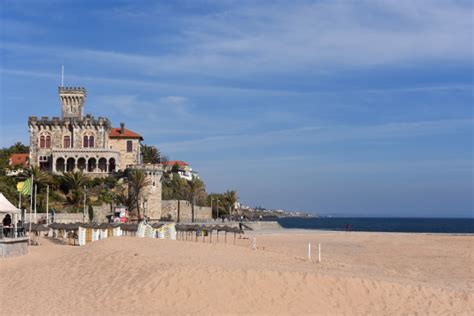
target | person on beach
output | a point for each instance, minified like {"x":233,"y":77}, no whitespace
{"x":7,"y":222}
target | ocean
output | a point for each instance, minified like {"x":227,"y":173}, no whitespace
{"x":379,"y":224}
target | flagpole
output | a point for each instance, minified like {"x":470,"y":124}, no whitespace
{"x":84,"y":210}
{"x":47,"y":204}
{"x":36,"y":197}
{"x":31,"y":208}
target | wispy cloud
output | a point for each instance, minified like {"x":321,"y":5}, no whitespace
{"x":256,"y":39}
{"x":311,"y":135}
{"x":243,"y":40}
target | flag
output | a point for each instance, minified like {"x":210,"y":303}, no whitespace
{"x":20,"y":186}
{"x":24,"y":187}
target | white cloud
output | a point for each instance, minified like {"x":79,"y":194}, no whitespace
{"x":251,"y":39}
{"x":256,"y":39}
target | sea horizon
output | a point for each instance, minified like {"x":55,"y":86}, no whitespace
{"x":382,"y":224}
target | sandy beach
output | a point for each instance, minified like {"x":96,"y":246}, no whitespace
{"x":360,"y":274}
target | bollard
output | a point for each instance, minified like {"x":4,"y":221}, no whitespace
{"x":319,"y":252}
{"x":309,"y":251}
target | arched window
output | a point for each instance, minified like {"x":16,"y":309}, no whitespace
{"x":86,"y":141}
{"x":91,"y":141}
{"x":48,"y":141}
{"x":42,"y":142}
{"x":67,"y":141}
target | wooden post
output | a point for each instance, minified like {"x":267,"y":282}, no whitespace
{"x":319,"y":253}
{"x":309,"y":251}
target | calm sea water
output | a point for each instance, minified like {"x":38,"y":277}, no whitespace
{"x":373,"y":224}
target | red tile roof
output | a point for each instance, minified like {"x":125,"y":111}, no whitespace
{"x":19,"y":160}
{"x":115,"y":133}
{"x":175,"y":162}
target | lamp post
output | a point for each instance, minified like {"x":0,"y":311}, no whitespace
{"x":84,"y":210}
{"x":211,"y":206}
{"x":145,"y":206}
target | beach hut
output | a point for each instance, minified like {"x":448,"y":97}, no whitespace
{"x":81,"y":235}
{"x":95,"y":232}
{"x":170,"y":231}
{"x":88,"y":231}
{"x":156,"y":229}
{"x":116,"y":230}
{"x":72,"y":232}
{"x":103,"y":230}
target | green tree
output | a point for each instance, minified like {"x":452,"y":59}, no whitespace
{"x":196,"y":187}
{"x":73,"y":185}
{"x":151,"y":154}
{"x":91,"y":213}
{"x":230,"y":199}
{"x":177,"y":186}
{"x":137,"y":181}
{"x":218,"y":204}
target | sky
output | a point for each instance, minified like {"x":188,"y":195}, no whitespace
{"x":343,"y":108}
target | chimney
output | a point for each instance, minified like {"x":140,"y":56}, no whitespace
{"x":122,"y":127}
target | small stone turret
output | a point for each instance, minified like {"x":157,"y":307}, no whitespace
{"x":72,"y":101}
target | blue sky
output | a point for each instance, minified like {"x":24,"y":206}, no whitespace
{"x":334,"y":107}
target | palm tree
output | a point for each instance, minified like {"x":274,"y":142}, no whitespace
{"x":177,"y":185}
{"x":74,"y":183}
{"x":40,"y":178}
{"x":230,"y":198}
{"x":196,"y":186}
{"x":137,"y":181}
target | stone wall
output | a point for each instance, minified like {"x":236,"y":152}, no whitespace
{"x":13,"y":247}
{"x":100,"y":212}
{"x":69,"y":217}
{"x":169,"y":209}
{"x":126,"y":158}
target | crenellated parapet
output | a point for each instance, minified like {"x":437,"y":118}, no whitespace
{"x":88,"y":121}
{"x":73,"y":90}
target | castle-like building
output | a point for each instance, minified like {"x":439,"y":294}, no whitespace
{"x":81,"y":142}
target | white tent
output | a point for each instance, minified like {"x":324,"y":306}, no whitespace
{"x":7,"y":207}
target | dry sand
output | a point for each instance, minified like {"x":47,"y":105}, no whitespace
{"x":361,"y":273}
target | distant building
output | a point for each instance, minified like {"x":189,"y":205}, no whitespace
{"x":77,"y":142}
{"x":181,"y":168}
{"x":17,"y":163}
{"x":19,"y":160}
